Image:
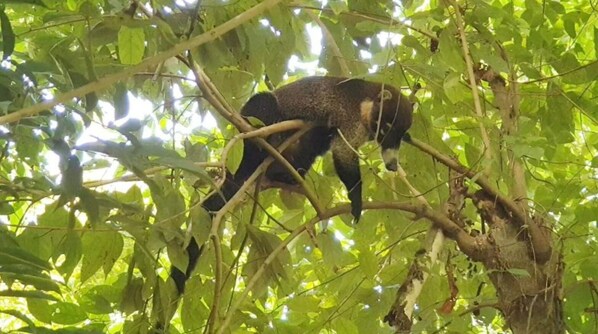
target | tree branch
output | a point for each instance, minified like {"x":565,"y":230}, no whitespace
{"x":520,"y":217}
{"x":453,"y":230}
{"x":488,"y":154}
{"x":110,"y":80}
{"x":507,"y":101}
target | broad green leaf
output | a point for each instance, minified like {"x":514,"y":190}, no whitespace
{"x":16,"y":255}
{"x":131,"y":45}
{"x":343,"y":325}
{"x":454,"y":88}
{"x":194,"y":308}
{"x":40,"y":309}
{"x":39,"y":281}
{"x":519,"y":272}
{"x":8,"y":35}
{"x":27,"y":294}
{"x":68,"y":313}
{"x":132,"y":298}
{"x":234,"y":157}
{"x":303,"y":304}
{"x":101,"y":249}
{"x":368,"y":263}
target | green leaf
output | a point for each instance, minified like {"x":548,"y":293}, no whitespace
{"x":263,"y":244}
{"x":557,"y":118}
{"x":332,"y":251}
{"x":450,"y":51}
{"x":40,"y":309}
{"x":68,"y":313}
{"x":6,"y":209}
{"x":518,"y":272}
{"x":201,"y":224}
{"x":39,"y":281}
{"x":177,"y":255}
{"x":192,"y":307}
{"x":15,"y":255}
{"x":569,"y":21}
{"x":303,"y":304}
{"x":8,"y":35}
{"x":131,"y":45}
{"x":101,"y":249}
{"x":344,"y":325}
{"x":234,"y":157}
{"x":368,"y":263}
{"x":132,"y":299}
{"x":454,"y":88}
{"x":71,"y":247}
{"x":27,"y":294}
{"x":31,"y":2}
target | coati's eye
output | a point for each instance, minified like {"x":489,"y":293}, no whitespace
{"x":385,"y":94}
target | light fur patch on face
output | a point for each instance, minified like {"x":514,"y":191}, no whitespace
{"x":365,"y":109}
{"x":385,"y":95}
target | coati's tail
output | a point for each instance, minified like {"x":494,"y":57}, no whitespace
{"x":264,"y":107}
{"x":194,"y":252}
{"x":212,"y":204}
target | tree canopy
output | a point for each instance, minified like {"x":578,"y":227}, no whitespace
{"x":118,"y":118}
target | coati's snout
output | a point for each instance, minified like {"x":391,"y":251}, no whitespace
{"x":390,"y":157}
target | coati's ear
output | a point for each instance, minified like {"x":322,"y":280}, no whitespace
{"x":385,"y":95}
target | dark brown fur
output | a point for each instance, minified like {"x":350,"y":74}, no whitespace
{"x":360,"y":110}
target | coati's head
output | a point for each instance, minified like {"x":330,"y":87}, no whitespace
{"x":387,"y":116}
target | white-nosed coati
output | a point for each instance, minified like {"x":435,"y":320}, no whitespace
{"x":360,"y":110}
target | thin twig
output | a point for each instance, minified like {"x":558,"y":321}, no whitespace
{"x":473,"y":85}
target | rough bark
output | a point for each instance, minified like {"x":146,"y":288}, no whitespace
{"x":529,"y":294}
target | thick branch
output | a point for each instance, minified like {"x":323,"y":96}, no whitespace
{"x":520,"y":217}
{"x":507,"y":101}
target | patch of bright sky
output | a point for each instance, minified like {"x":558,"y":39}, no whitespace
{"x":315,"y":41}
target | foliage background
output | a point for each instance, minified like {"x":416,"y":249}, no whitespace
{"x":96,"y":189}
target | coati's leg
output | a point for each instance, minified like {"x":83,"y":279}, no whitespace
{"x":346,"y":163}
{"x":302,"y":154}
